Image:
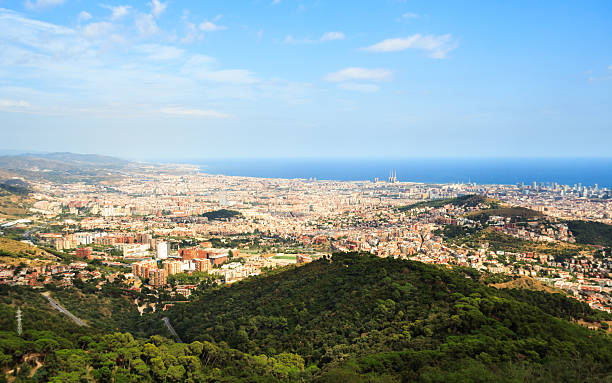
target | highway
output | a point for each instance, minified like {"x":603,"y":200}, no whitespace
{"x":61,"y":309}
{"x":171,"y":329}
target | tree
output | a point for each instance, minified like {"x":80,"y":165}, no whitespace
{"x":175,"y":373}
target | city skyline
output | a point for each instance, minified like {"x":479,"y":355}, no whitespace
{"x":285,"y":79}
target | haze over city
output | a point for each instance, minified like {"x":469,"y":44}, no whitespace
{"x":286,"y":78}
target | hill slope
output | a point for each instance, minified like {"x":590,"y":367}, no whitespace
{"x":394,"y":319}
{"x":592,"y":233}
{"x":14,"y":252}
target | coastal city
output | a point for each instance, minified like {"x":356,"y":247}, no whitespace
{"x":305,"y":191}
{"x":168,"y":230}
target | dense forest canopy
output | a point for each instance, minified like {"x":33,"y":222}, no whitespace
{"x":221,"y":214}
{"x":349,"y":318}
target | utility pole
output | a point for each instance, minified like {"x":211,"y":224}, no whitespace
{"x":19,"y":328}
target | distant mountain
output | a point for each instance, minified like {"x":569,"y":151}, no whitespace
{"x":359,"y":318}
{"x":62,"y":167}
{"x":59,"y":161}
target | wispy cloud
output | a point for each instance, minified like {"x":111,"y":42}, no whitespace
{"x":327,"y":36}
{"x":157,"y":7}
{"x":365,"y":88}
{"x":610,"y":67}
{"x":160,"y":52}
{"x":146,"y":25}
{"x":83,"y":16}
{"x":119,"y":11}
{"x":436,"y":46}
{"x":14,"y":104}
{"x":97,"y":29}
{"x":410,"y":16}
{"x":109,"y":68}
{"x":359,"y":79}
{"x":186,"y":112}
{"x":289,"y":39}
{"x":222,"y":76}
{"x":40,"y":4}
{"x":355,"y":73}
{"x":330,"y":36}
{"x":209,"y":26}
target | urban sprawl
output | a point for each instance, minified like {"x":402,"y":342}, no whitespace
{"x":159,"y":225}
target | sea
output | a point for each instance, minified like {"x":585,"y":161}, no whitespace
{"x":565,"y":171}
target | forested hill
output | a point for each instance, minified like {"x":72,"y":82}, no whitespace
{"x":592,"y":233}
{"x":352,"y":319}
{"x":386,"y":318}
{"x":470,"y":200}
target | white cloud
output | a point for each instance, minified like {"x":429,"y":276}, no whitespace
{"x":365,"y":88}
{"x":39,"y":4}
{"x":97,"y":29}
{"x":79,"y":72}
{"x":192,"y":33}
{"x":274,"y":2}
{"x":355,"y":73}
{"x":157,"y":7}
{"x":330,"y":36}
{"x":186,"y":112}
{"x":226,"y":76}
{"x":14,"y":104}
{"x":146,"y":25}
{"x":84,"y":16}
{"x":410,"y":15}
{"x":436,"y":46}
{"x":160,"y":52}
{"x":202,"y":67}
{"x":208,"y":26}
{"x":199,"y":61}
{"x":28,"y":42}
{"x":610,"y":67}
{"x":119,"y":11}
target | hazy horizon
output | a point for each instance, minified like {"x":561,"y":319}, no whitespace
{"x":432,"y":170}
{"x":189,"y":159}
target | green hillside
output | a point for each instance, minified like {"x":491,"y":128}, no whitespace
{"x":591,"y":233}
{"x":355,"y":318}
{"x":14,"y":201}
{"x":393,"y":320}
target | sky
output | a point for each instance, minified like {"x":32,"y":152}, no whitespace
{"x":307,"y":78}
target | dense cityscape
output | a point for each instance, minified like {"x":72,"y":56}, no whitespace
{"x":160,"y":221}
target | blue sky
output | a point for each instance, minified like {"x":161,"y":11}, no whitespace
{"x":290,"y":78}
